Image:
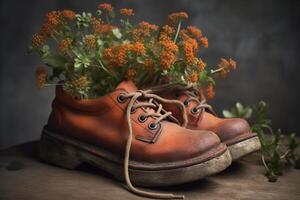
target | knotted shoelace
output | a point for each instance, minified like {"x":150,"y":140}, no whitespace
{"x":189,"y":91}
{"x":156,"y":113}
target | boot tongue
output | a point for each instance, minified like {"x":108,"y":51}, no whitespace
{"x":129,"y":86}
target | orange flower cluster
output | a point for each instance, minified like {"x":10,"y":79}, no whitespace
{"x":143,"y":30}
{"x":80,"y":83}
{"x":117,"y":55}
{"x":204,"y":42}
{"x":166,"y":32}
{"x":210,"y":92}
{"x":190,"y":47}
{"x":53,"y":20}
{"x":194,"y":32}
{"x":168,"y":52}
{"x":201,"y":65}
{"x":100,"y":28}
{"x":138,"y":48}
{"x":130,"y":74}
{"x":193,"y":78}
{"x":149,"y":64}
{"x":106,"y":7}
{"x":69,"y":14}
{"x":64,"y":45}
{"x":175,"y":18}
{"x":37,"y":40}
{"x":168,"y":29}
{"x":90,"y":41}
{"x":126,"y":12}
{"x":226,"y":66}
{"x":41,"y":74}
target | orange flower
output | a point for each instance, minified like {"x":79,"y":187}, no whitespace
{"x":54,"y":18}
{"x":193,"y":78}
{"x":108,"y":54}
{"x":190,"y":47}
{"x":138,"y":48}
{"x":175,"y":18}
{"x":201,"y":65}
{"x":168,"y":52}
{"x":142,"y":30}
{"x":117,"y":55}
{"x":106,"y":7}
{"x":37,"y":40}
{"x":126,"y":12}
{"x":90,"y":40}
{"x":69,"y":14}
{"x":168,"y":29}
{"x":210,"y":93}
{"x":104,"y":29}
{"x":232,"y":64}
{"x":195,"y":32}
{"x":167,"y":59}
{"x":169,"y":45}
{"x":46,"y":30}
{"x":41,"y":74}
{"x":64,"y":45}
{"x":183,"y":33}
{"x":130,"y":74}
{"x":149,"y":64}
{"x":204,"y":42}
{"x":226,"y":65}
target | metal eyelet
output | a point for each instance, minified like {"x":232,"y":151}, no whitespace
{"x":132,"y":110}
{"x":195,"y":111}
{"x":121,"y":98}
{"x":142,"y":118}
{"x":152,"y":126}
{"x":186,"y":102}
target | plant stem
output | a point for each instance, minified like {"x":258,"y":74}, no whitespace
{"x":216,"y":71}
{"x":177,"y":31}
{"x":264,"y":162}
{"x":106,"y":70}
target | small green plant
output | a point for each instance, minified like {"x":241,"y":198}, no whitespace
{"x":238,"y":111}
{"x":274,"y":153}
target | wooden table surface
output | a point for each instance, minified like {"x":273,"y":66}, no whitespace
{"x":24,"y":177}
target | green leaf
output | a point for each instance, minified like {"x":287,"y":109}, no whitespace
{"x":239,"y":107}
{"x":117,"y":33}
{"x":140,"y":60}
{"x":55,"y":60}
{"x":227,"y":114}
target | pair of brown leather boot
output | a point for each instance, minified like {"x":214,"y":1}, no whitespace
{"x":132,"y":135}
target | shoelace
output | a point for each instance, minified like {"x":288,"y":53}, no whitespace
{"x":190,"y":92}
{"x":158,"y":116}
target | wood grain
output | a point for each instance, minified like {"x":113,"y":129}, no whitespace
{"x":31,"y":179}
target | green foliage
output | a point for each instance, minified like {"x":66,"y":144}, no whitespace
{"x":106,"y":51}
{"x":275,"y":155}
{"x":239,"y":111}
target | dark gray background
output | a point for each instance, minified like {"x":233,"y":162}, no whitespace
{"x":261,"y":35}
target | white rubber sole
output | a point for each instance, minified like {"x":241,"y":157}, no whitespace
{"x":245,"y":147}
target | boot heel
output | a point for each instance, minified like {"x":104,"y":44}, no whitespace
{"x":58,"y":153}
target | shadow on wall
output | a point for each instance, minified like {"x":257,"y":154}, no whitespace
{"x":262,"y":35}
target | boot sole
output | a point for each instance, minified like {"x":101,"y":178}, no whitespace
{"x":244,"y":147}
{"x":69,"y":153}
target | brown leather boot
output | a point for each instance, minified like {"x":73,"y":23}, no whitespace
{"x":128,"y":132}
{"x":235,"y":132}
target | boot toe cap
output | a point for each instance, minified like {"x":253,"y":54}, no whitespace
{"x":233,"y":128}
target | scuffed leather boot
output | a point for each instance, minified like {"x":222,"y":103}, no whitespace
{"x":235,"y":132}
{"x":129,"y":135}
